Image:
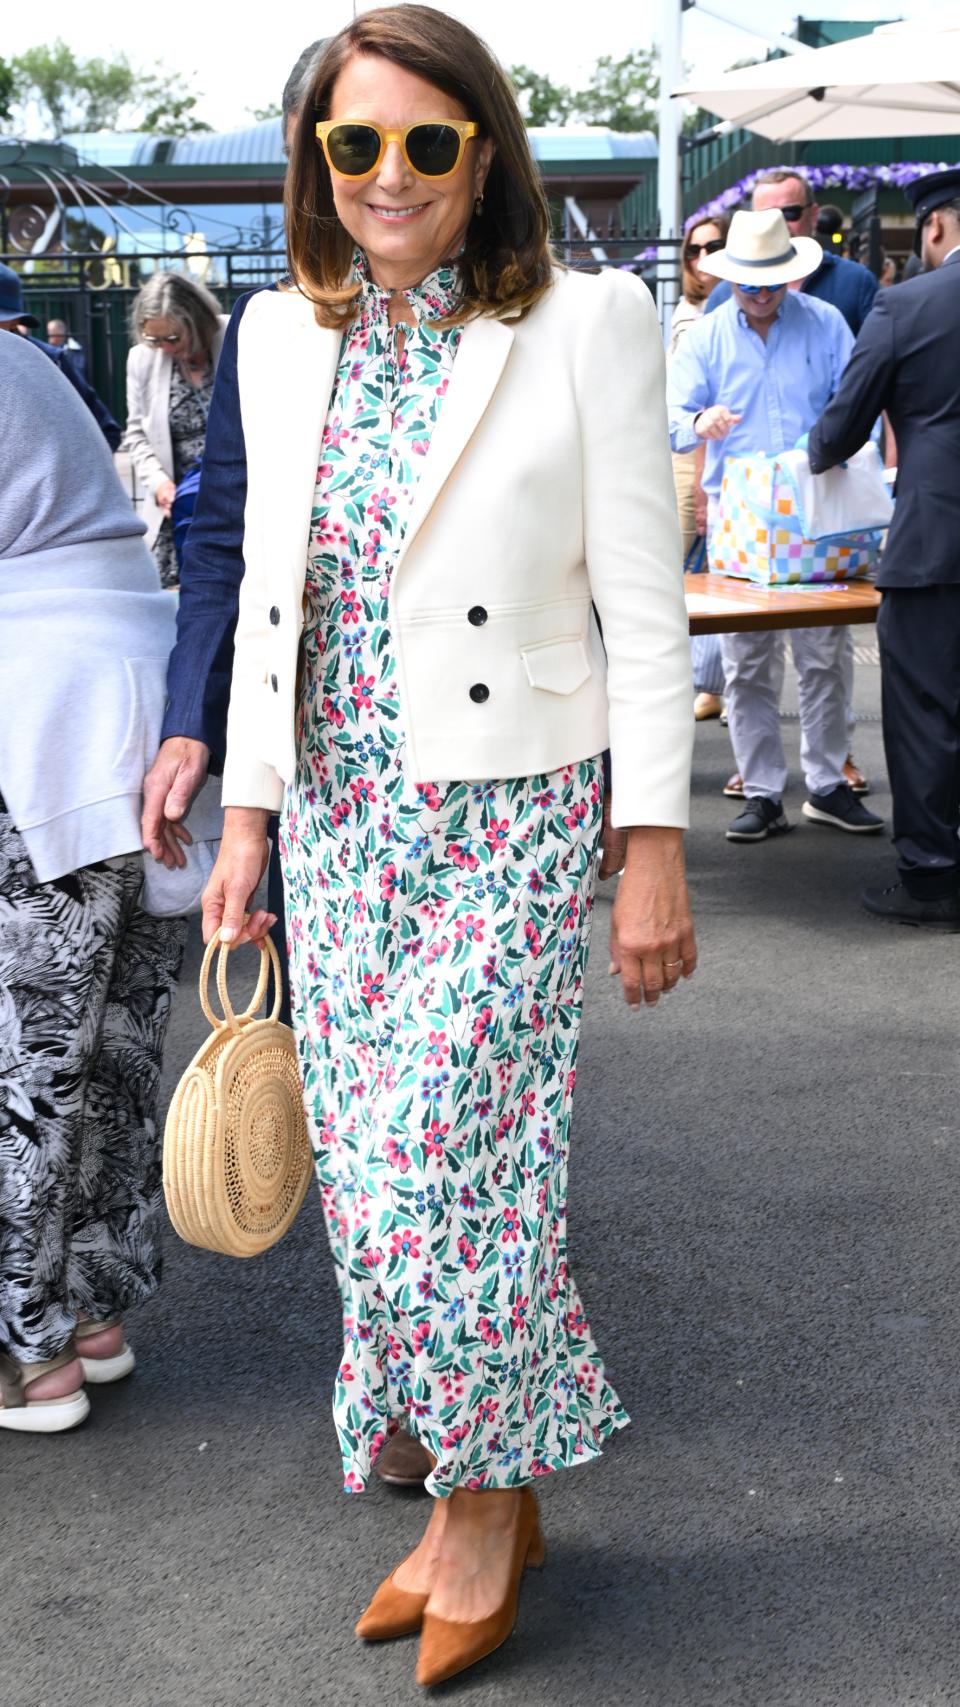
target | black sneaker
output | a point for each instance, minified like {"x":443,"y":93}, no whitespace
{"x":843,"y":810}
{"x":759,"y":819}
{"x":896,"y":902}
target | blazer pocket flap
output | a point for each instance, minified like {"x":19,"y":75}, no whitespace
{"x":558,"y":666}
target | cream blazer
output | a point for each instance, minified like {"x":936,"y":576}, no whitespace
{"x":147,"y":435}
{"x":545,"y":500}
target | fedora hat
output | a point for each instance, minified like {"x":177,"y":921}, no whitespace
{"x":760,"y":251}
{"x":11,"y":299}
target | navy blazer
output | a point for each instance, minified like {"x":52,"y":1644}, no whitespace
{"x":905,"y":361}
{"x":62,"y":359}
{"x":201,"y":663}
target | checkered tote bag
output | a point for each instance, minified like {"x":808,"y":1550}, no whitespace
{"x":759,"y":534}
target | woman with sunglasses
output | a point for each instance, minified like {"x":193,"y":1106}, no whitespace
{"x":707,"y":237}
{"x":426,"y":451}
{"x":179,"y":331}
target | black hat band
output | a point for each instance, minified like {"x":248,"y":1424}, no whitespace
{"x":773,"y":261}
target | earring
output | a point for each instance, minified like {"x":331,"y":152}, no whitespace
{"x":478,"y":206}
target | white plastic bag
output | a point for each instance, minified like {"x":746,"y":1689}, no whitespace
{"x":842,"y":501}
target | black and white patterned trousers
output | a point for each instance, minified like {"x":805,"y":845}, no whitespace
{"x":86,"y":980}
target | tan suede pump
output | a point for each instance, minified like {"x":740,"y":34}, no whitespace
{"x":392,"y":1612}
{"x":447,"y":1648}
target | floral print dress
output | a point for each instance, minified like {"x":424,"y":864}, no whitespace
{"x":438,"y":933}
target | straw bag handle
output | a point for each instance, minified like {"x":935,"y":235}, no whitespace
{"x":268,"y":958}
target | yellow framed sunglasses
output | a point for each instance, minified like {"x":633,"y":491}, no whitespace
{"x":354,"y":148}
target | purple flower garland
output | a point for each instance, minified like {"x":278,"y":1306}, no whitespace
{"x":839,"y":177}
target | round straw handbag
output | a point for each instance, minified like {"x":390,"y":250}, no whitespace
{"x":236,"y":1157}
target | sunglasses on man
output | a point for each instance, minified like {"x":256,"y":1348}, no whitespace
{"x":794,"y":211}
{"x":354,"y":149}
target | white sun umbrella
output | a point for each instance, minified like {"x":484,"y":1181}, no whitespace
{"x":903,"y":80}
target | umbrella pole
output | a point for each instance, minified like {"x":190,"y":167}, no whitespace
{"x":669,"y":201}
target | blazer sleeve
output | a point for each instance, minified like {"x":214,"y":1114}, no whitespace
{"x":633,"y":553}
{"x":198,"y":676}
{"x":98,"y":409}
{"x":135,"y":440}
{"x":863,"y":393}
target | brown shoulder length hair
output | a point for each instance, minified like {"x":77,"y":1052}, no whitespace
{"x":506,"y":263}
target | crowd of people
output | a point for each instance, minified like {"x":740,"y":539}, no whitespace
{"x":432,"y":736}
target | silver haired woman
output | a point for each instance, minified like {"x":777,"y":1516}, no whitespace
{"x":179,"y":330}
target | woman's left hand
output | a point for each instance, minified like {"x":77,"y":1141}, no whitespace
{"x":652,"y":941}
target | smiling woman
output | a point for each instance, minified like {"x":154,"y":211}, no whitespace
{"x":431,"y":455}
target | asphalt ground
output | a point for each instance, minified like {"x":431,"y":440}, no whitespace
{"x":764,"y":1223}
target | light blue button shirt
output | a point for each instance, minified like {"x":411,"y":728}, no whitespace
{"x":779,"y":387}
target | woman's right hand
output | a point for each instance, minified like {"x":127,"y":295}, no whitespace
{"x":164,"y":495}
{"x":234,"y":880}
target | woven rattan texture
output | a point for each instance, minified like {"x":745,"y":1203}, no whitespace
{"x":236,"y":1156}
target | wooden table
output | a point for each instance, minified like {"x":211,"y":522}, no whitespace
{"x":722,"y":604}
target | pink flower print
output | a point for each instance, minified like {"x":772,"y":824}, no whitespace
{"x":528,"y":1103}
{"x":468,"y":1253}
{"x":371,"y":990}
{"x":433,"y":1138}
{"x":535,"y":883}
{"x":536,"y":1018}
{"x":350,"y":607}
{"x":322,"y":1021}
{"x":571,"y":915}
{"x":334,"y":433}
{"x":363,"y":791}
{"x":380,"y":504}
{"x":467,"y":1199}
{"x":425,"y":1285}
{"x":577,"y":816}
{"x":489,"y":969}
{"x":595,"y":792}
{"x":442,"y":387}
{"x":372,"y":1259}
{"x":352,"y":1483}
{"x":395,"y":1150}
{"x":428,"y":796}
{"x":345,"y":1372}
{"x":469,"y":929}
{"x":539,"y":1468}
{"x":571,"y":1081}
{"x":546,"y":798}
{"x":420,"y":446}
{"x":376,"y":1445}
{"x":333,"y":714}
{"x":462,"y":855}
{"x":340,"y":813}
{"x":406,"y":1245}
{"x":361,"y":691}
{"x":421,"y":1337}
{"x":296,"y":928}
{"x":487,"y":1410}
{"x":483,"y":1027}
{"x":388,"y":885}
{"x":505,"y":1126}
{"x":456,"y":1436}
{"x":452,"y":1383}
{"x":587,"y":1378}
{"x":394,"y":1346}
{"x":577,"y":1322}
{"x":373,"y":550}
{"x":436,"y":951}
{"x":497,"y":834}
{"x":489,"y":1331}
{"x":439,"y":1047}
{"x":533,"y":938}
{"x":328,"y":1130}
{"x":511,"y":1226}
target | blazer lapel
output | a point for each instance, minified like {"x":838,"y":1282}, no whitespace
{"x":484,"y":348}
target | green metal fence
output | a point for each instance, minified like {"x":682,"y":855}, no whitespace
{"x":94,"y":295}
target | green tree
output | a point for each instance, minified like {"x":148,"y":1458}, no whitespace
{"x":273,"y":111}
{"x":541,"y":101}
{"x":65,"y":93}
{"x":7,"y":81}
{"x":622,"y":94}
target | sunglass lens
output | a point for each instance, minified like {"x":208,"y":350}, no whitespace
{"x":792,"y":213}
{"x":432,"y":149}
{"x":353,"y":149}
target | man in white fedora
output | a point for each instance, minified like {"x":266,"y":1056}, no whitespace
{"x":754,"y":376}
